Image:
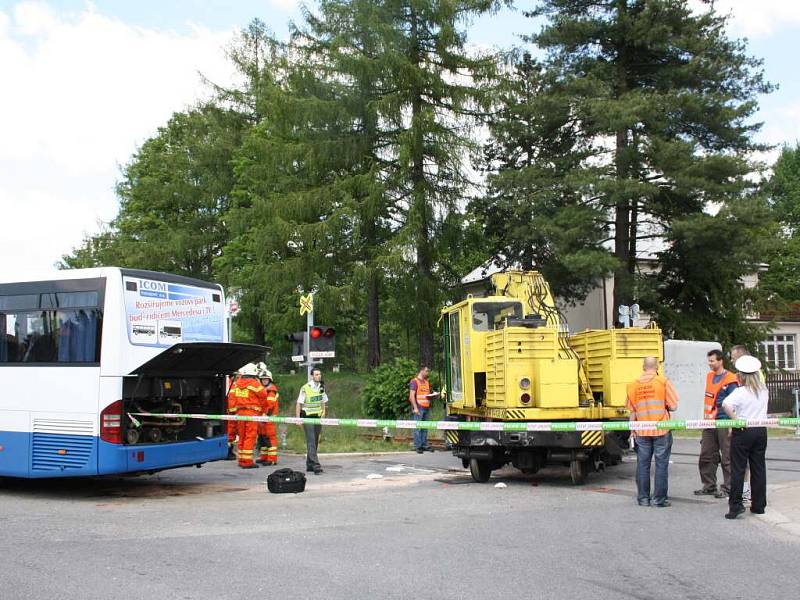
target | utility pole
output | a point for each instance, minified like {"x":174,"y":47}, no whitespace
{"x":309,"y":325}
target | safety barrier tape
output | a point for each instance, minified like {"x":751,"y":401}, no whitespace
{"x":495,"y":425}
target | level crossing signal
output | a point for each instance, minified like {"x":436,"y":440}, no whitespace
{"x":297,"y":342}
{"x":323,"y":341}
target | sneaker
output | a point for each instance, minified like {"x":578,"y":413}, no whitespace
{"x":428,"y":449}
{"x":420,"y":450}
{"x":746,"y":494}
{"x":733,"y":513}
{"x":318,"y":471}
{"x":705,"y":492}
{"x":664,"y":504}
{"x":644,"y":503}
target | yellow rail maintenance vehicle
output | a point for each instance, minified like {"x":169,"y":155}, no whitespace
{"x":509,"y":358}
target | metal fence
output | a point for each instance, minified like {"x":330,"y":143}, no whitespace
{"x":781,"y":386}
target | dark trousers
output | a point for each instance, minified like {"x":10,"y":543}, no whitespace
{"x":749,"y":446}
{"x":715,"y":449}
{"x":312,"y":443}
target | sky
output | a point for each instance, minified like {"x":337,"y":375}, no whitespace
{"x":84,"y":84}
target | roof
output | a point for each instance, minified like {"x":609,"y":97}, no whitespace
{"x":790,"y":314}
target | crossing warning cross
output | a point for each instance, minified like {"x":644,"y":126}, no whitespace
{"x":306,"y":304}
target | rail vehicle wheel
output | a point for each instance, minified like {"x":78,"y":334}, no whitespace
{"x":578,"y":470}
{"x":480,"y":470}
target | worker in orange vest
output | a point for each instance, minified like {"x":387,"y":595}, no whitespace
{"x":419,"y":396}
{"x":715,"y":444}
{"x":651,"y":398}
{"x":267,"y":432}
{"x":247,"y":395}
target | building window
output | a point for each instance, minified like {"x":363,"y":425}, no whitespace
{"x":780,"y":353}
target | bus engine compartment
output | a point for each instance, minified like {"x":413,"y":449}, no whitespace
{"x":190,"y":395}
{"x":186,"y":378}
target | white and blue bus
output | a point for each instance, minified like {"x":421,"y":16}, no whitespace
{"x":83,"y":350}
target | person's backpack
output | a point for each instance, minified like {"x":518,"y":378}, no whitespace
{"x":286,"y":481}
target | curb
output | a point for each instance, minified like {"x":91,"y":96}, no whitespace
{"x":778,"y":519}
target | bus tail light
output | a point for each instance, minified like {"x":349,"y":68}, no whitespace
{"x":525,"y":398}
{"x":111,"y":423}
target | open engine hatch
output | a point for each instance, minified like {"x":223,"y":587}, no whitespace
{"x":198,"y":359}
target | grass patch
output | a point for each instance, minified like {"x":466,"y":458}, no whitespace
{"x":344,"y":395}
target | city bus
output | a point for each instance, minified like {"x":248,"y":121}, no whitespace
{"x":83,"y":351}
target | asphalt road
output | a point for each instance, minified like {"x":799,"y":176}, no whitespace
{"x":423,"y":530}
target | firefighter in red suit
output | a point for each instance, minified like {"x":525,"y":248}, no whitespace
{"x":267,"y":432}
{"x":247,"y":396}
{"x":231,"y":425}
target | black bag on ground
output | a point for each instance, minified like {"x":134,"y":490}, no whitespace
{"x":286,"y":481}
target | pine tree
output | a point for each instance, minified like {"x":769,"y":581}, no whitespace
{"x":660,"y":102}
{"x":536,"y":211}
{"x":345,"y":45}
{"x":429,"y":110}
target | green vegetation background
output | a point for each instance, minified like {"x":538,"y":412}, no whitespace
{"x":344,"y":392}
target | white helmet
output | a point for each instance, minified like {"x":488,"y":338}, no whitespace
{"x":249,"y":370}
{"x":263,"y":371}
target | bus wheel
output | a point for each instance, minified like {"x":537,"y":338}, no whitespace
{"x":480,"y":470}
{"x":578,"y":469}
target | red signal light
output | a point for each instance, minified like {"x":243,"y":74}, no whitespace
{"x":525,"y":398}
{"x":315,"y":333}
{"x":330,"y":332}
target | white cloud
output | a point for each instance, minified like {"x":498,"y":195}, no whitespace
{"x":757,"y":18}
{"x":81,"y":92}
{"x":286,"y":5}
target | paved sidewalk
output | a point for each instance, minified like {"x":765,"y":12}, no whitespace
{"x":783,"y":507}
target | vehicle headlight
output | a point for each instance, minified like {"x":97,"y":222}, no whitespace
{"x":524,"y":383}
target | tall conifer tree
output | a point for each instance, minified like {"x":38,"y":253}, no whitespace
{"x":658,"y":101}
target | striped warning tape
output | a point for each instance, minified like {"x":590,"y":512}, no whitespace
{"x":497,"y":425}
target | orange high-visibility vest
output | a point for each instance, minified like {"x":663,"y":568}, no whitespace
{"x":713,"y":390}
{"x":648,"y":402}
{"x":423,"y":391}
{"x":246,"y":395}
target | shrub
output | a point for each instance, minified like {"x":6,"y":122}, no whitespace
{"x":385,"y":396}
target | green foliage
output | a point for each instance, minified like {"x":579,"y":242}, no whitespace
{"x":782,"y":189}
{"x":535,"y":212}
{"x":712,"y":302}
{"x":650,"y":107}
{"x":173,"y":196}
{"x":385,"y":395}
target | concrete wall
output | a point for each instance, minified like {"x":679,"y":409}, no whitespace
{"x":685,"y":364}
